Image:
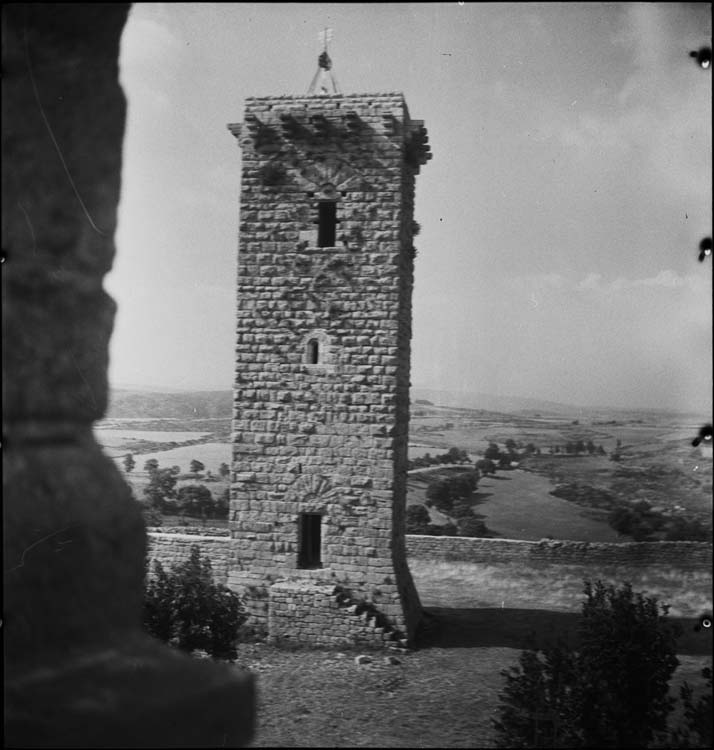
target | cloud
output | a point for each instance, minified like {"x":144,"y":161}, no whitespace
{"x":537,"y":282}
{"x":147,"y":42}
{"x":665,"y":279}
{"x":591,"y":281}
{"x":657,"y":122}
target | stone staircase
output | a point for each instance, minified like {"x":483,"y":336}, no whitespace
{"x":392,"y":638}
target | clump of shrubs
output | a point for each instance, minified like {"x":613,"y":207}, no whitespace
{"x":637,"y":520}
{"x":612,"y":691}
{"x":452,"y":456}
{"x":644,"y":524}
{"x":472,"y":526}
{"x":696,"y":731}
{"x":187,"y":609}
{"x":444,"y":492}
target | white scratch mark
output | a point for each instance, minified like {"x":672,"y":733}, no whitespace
{"x":39,"y":541}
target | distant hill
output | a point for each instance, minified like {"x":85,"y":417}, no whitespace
{"x":489,"y":402}
{"x":148,"y":403}
{"x":175,"y":405}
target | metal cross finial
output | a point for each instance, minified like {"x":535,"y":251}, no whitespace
{"x":324,"y":67}
{"x":325,"y":36}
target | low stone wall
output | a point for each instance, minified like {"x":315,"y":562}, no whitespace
{"x":169,"y":547}
{"x":682,"y":555}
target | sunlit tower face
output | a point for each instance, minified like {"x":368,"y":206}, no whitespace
{"x":325,"y":276}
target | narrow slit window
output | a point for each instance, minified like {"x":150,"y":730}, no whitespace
{"x":327,"y":223}
{"x":309,"y":540}
{"x":313,"y":352}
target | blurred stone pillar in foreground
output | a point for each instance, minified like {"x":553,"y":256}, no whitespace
{"x":79,"y":671}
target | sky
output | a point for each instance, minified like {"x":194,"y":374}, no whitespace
{"x":561,"y":214}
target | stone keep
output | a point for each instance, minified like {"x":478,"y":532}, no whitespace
{"x":321,"y":399}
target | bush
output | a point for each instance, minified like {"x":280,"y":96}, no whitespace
{"x":186,"y":609}
{"x":445,"y":491}
{"x":197,"y":501}
{"x":417,"y":519}
{"x":611,"y":692}
{"x":152,"y":517}
{"x":686,"y":530}
{"x":486,"y":466}
{"x":461,"y":509}
{"x":473,"y":527}
{"x":223,"y":504}
{"x":697,"y":728}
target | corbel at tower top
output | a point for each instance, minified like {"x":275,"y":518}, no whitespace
{"x":271,"y":120}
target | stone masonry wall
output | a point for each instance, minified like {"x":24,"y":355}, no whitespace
{"x":172,"y":548}
{"x":322,"y":615}
{"x":327,"y":437}
{"x":331,"y":616}
{"x":682,"y":555}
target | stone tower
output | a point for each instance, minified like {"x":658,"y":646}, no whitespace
{"x":321,"y":399}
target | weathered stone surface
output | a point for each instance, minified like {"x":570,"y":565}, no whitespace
{"x":679,"y":555}
{"x":323,"y":349}
{"x":79,"y":671}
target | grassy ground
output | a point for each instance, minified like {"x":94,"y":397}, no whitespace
{"x":445,"y":694}
{"x":555,"y":588}
{"x":440,"y":696}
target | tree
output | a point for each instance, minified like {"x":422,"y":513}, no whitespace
{"x":457,"y":456}
{"x":187,"y":609}
{"x":196,"y":501}
{"x":223,"y":504}
{"x":461,"y":509}
{"x":580,"y":446}
{"x":590,"y":447}
{"x":151,"y":466}
{"x":196,"y":466}
{"x":418,"y":519}
{"x":612,"y":692}
{"x":510,"y":445}
{"x":161,"y":488}
{"x":492,"y":452}
{"x":438,"y":493}
{"x":224,"y":470}
{"x":697,"y":729}
{"x":443,"y":492}
{"x":129,"y":462}
{"x":471,"y":526}
{"x":486,"y":466}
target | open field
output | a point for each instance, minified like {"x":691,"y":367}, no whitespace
{"x":125,"y":439}
{"x":518,"y":505}
{"x":657,"y":463}
{"x":211,"y":455}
